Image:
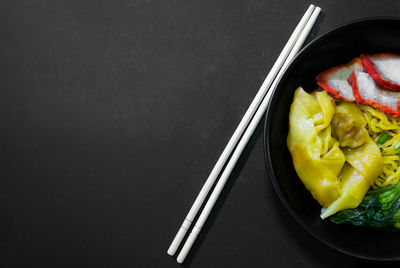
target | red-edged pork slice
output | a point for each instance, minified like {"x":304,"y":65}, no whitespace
{"x":366,"y":91}
{"x":384,"y":69}
{"x":335,"y":80}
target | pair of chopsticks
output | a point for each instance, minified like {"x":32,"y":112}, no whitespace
{"x":241,"y":136}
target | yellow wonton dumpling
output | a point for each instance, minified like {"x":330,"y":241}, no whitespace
{"x":337,"y":173}
{"x":348,"y":125}
{"x":363,"y":165}
{"x":316,"y":156}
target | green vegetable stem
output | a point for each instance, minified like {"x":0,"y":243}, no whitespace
{"x":383,"y":138}
{"x":397,"y":146}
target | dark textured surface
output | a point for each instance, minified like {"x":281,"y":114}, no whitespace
{"x":112,"y":115}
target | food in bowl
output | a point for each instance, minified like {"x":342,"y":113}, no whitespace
{"x":344,"y":139}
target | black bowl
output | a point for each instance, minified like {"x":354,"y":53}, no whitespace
{"x":338,"y":46}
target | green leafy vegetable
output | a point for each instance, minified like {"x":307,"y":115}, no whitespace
{"x":379,"y":210}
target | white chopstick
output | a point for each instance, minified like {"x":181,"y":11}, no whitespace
{"x":238,"y":133}
{"x":244,"y":140}
{"x":291,"y":48}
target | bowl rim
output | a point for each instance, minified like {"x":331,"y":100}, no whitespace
{"x":266,"y":139}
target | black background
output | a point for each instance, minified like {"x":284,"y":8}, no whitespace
{"x":112,"y":115}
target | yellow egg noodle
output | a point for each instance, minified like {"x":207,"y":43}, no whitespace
{"x":379,"y":123}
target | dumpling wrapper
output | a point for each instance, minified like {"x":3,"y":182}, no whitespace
{"x":348,"y":125}
{"x":316,"y":155}
{"x":363,"y":158}
{"x":384,"y":69}
{"x":335,"y":79}
{"x":363,"y":166}
{"x":318,"y":159}
{"x":366,"y":91}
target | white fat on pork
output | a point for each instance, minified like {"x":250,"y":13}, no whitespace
{"x":337,"y":79}
{"x":344,"y":87}
{"x":387,"y":67}
{"x":369,"y":90}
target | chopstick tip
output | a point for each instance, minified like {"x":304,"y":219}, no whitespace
{"x":170,"y":252}
{"x":180,"y":260}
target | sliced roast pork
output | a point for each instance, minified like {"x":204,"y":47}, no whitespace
{"x":384,"y":69}
{"x":366,"y":91}
{"x":335,"y":80}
